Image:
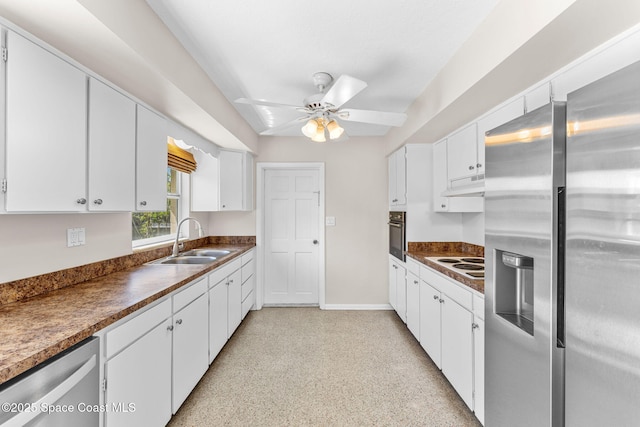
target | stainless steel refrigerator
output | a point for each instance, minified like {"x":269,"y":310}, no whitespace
{"x":562,"y":289}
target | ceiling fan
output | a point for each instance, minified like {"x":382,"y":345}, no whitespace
{"x":321,"y":111}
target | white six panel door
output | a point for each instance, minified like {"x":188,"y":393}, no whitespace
{"x":292,"y":211}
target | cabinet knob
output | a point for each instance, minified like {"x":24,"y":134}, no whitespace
{"x":170,"y":328}
{"x":479,"y":165}
{"x":443,"y":205}
{"x":143,"y":203}
{"x":436,"y":297}
{"x":315,"y":242}
{"x":179,"y":322}
{"x":441,"y":301}
{"x":415,"y":282}
{"x":224,"y":206}
{"x":471,"y":167}
{"x":231,"y":281}
{"x":475,"y":326}
{"x":81,"y":201}
{"x":97,"y":202}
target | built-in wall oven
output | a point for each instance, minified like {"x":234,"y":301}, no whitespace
{"x":397,"y":234}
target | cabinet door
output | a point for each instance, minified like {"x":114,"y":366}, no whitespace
{"x":440,"y":203}
{"x":501,"y":116}
{"x":218,"y":312}
{"x":141,"y":375}
{"x":462,"y":153}
{"x":393,"y":284}
{"x":392,"y":180}
{"x":413,"y":305}
{"x":46,"y":137}
{"x":235,"y":302}
{"x":457,"y":348}
{"x":151,"y":161}
{"x":112,"y":149}
{"x":478,"y":369}
{"x":430,"y":322}
{"x":231,"y":180}
{"x":401,"y":286}
{"x":205,"y":184}
{"x":190,"y":348}
{"x":401,"y":176}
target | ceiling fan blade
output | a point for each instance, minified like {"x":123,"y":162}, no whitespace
{"x":374,"y":117}
{"x":284,"y":126}
{"x":345,"y":88}
{"x":268,"y":104}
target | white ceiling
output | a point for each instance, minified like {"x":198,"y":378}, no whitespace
{"x":270,"y":50}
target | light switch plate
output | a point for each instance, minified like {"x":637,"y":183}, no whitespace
{"x":330,"y":221}
{"x":75,"y":237}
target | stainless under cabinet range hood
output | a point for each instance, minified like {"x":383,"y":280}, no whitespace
{"x":562,"y":294}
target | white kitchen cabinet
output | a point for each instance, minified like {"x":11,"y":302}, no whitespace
{"x":462,"y":155}
{"x":505,"y":113}
{"x":397,"y":287}
{"x":205,"y":184}
{"x":478,"y":368}
{"x":151,"y":161}
{"x":440,"y":184}
{"x":430,"y":328}
{"x":398,"y":179}
{"x":236,"y":180}
{"x":138,"y":369}
{"x":218,"y":316}
{"x":537,"y":97}
{"x":112,"y":141}
{"x":457,"y":347}
{"x":248,"y":281}
{"x":190,"y":340}
{"x":231,"y":275}
{"x":46,"y":130}
{"x":413,"y":304}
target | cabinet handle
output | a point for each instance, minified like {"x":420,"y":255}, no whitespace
{"x":471,"y":167}
{"x":143,"y":203}
{"x":479,"y":165}
{"x":97,"y":202}
{"x":474,"y":326}
{"x":170,"y":328}
{"x":179,"y":322}
{"x":81,"y":201}
{"x":436,"y":297}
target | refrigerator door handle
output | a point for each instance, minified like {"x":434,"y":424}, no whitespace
{"x":560,"y":253}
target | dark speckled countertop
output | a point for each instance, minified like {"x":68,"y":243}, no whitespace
{"x":420,"y":251}
{"x":41,"y":326}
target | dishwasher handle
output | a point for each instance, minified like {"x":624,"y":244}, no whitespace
{"x":54,"y":395}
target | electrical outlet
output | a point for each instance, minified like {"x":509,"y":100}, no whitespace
{"x":330,"y":221}
{"x":75,"y":237}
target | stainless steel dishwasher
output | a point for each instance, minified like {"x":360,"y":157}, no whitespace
{"x":63,"y":391}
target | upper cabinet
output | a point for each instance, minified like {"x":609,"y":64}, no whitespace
{"x":462,"y":155}
{"x":398,"y":180}
{"x":442,"y":203}
{"x":236,"y":180}
{"x":151,"y":161}
{"x":112,"y":141}
{"x":500,"y":116}
{"x":46,"y":130}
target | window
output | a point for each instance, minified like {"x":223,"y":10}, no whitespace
{"x":154,"y":227}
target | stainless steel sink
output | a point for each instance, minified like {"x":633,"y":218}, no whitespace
{"x":206,"y":253}
{"x":186,"y":259}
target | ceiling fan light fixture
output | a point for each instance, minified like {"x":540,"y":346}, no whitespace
{"x":310,"y":128}
{"x":335,"y":130}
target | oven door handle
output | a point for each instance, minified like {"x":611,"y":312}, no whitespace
{"x":395,"y":224}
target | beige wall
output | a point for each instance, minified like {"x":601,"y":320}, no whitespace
{"x":356,"y":195}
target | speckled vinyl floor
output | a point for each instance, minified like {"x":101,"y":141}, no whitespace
{"x":308,"y":367}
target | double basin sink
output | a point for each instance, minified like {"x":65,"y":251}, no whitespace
{"x":195,"y":256}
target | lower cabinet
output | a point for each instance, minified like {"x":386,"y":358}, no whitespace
{"x":398,"y":287}
{"x":155,"y":358}
{"x":430,"y":323}
{"x":478,"y":369}
{"x":190,"y":341}
{"x":413,"y":304}
{"x":457,"y":348}
{"x":248,"y":282}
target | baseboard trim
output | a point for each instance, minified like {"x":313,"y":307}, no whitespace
{"x":358,"y":307}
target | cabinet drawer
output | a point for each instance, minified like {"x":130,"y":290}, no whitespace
{"x":183,"y":298}
{"x":223,"y":271}
{"x":128,"y":332}
{"x":447,"y":286}
{"x":478,"y":306}
{"x":248,"y":303}
{"x":248,"y":256}
{"x":248,"y":286}
{"x":413,"y":266}
{"x":248,"y":269}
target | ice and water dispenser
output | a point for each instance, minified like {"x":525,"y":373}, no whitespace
{"x":514,"y":289}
